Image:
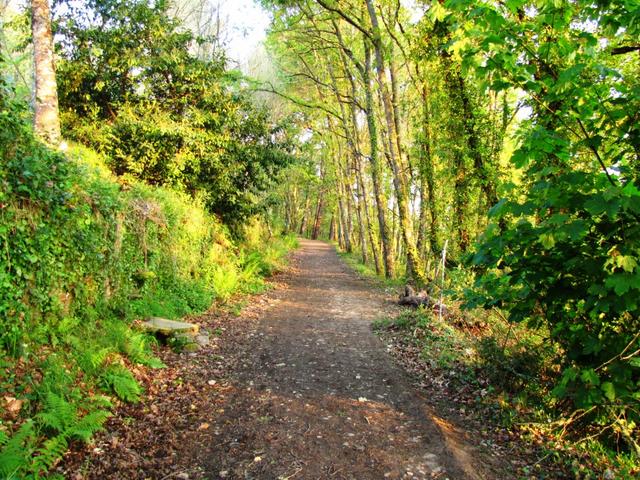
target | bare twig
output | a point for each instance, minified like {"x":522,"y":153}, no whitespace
{"x":620,"y":355}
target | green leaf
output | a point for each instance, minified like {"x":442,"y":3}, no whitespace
{"x":520,"y":157}
{"x":514,"y":5}
{"x":609,"y":390}
{"x":499,"y":208}
{"x":596,"y":205}
{"x":576,"y":230}
{"x":626,"y":262}
{"x":590,"y":377}
{"x":621,"y":283}
{"x":571,"y":73}
{"x":547,"y":240}
{"x":437,"y":12}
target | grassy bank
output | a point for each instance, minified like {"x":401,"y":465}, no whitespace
{"x":82,"y":255}
{"x":354,"y":260}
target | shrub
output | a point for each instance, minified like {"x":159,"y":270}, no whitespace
{"x":82,"y":254}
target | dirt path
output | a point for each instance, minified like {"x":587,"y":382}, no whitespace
{"x":296,"y":387}
{"x":319,"y":397}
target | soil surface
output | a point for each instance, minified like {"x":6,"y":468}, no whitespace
{"x":296,"y":387}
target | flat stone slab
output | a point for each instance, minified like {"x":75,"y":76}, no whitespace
{"x":169,"y":327}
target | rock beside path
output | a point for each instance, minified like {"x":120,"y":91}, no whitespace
{"x":188,"y":335}
{"x":169,"y":327}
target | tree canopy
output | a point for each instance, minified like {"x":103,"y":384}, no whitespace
{"x":133,"y":87}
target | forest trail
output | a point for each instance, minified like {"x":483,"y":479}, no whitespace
{"x":319,"y":397}
{"x":296,"y":386}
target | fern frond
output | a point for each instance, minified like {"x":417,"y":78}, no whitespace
{"x":126,"y":388}
{"x":89,"y":425}
{"x":101,"y":401}
{"x":91,"y":359}
{"x":225,"y":281}
{"x":153,"y":362}
{"x":50,"y":453}
{"x":58,"y":414}
{"x":15,"y":454}
{"x":122,"y":383}
{"x":136,"y":346}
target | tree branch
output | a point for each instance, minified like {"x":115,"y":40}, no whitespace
{"x":345,"y":17}
{"x":297,"y":101}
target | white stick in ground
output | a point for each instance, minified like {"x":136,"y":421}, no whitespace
{"x":444,"y":256}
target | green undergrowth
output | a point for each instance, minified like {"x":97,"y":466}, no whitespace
{"x":354,"y":260}
{"x":508,"y":371}
{"x":82,"y":255}
{"x":521,"y":368}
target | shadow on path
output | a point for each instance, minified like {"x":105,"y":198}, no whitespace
{"x":316,"y":395}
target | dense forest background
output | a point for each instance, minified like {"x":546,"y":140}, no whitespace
{"x":486,"y":152}
{"x":501,"y":140}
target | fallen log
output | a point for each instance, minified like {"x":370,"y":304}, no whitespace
{"x":412,"y":299}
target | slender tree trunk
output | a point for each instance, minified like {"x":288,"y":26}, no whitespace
{"x":332,"y":228}
{"x":293,"y":211}
{"x":427,"y":173}
{"x":482,"y":170}
{"x":376,"y":170}
{"x":350,"y":208}
{"x":403,"y":156}
{"x":305,"y":215}
{"x":459,"y":132}
{"x":350,"y":132}
{"x":460,"y":197}
{"x":345,"y":234}
{"x":361,"y":227}
{"x":375,"y":250}
{"x":317,"y":224}
{"x":421,"y":242}
{"x":363,"y":203}
{"x":344,"y":226}
{"x":340,"y":231}
{"x":46,"y":121}
{"x":414,"y":263}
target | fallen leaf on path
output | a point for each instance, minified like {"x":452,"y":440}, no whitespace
{"x":13,"y":406}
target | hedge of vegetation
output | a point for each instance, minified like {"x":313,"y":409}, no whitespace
{"x":82,"y":254}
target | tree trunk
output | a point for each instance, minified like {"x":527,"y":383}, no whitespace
{"x":317,"y":224}
{"x":46,"y":121}
{"x":414,"y":263}
{"x":481,"y":169}
{"x":375,"y":251}
{"x":376,"y":170}
{"x":305,"y":216}
{"x":363,"y":199}
{"x":427,"y":181}
{"x":342,"y":204}
{"x":362,"y":236}
{"x":332,"y":228}
{"x":292,"y":222}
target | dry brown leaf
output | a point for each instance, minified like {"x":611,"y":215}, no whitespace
{"x":13,"y":406}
